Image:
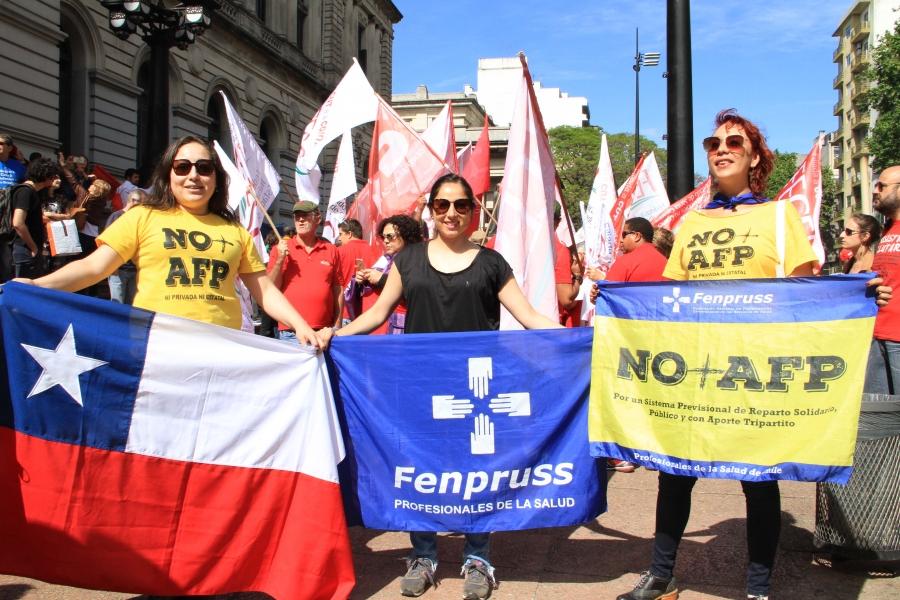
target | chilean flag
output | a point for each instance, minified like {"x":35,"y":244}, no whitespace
{"x":146,"y":453}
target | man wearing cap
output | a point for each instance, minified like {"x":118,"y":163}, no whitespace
{"x":307,"y":270}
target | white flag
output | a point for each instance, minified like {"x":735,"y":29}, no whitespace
{"x":463,"y":156}
{"x":525,"y":220}
{"x":250,"y":160}
{"x":353,"y":102}
{"x":650,"y":196}
{"x":248,"y":212}
{"x":343,"y":184}
{"x":600,"y":239}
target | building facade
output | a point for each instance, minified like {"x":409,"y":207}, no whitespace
{"x":857,"y":33}
{"x":69,"y":83}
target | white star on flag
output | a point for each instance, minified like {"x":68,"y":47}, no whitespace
{"x":61,"y":366}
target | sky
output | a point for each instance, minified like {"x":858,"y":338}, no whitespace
{"x":770,"y":59}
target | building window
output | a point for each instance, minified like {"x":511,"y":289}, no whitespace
{"x":847,"y":32}
{"x":849,"y":59}
{"x":361,"y":53}
{"x":865,"y":16}
{"x":302,"y":13}
{"x":217,"y":130}
{"x":261,"y":10}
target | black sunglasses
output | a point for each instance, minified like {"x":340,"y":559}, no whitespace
{"x":205,"y":167}
{"x":441,"y":206}
{"x":390,"y":237}
{"x":734,"y":143}
{"x":848,"y":232}
{"x":625,"y":233}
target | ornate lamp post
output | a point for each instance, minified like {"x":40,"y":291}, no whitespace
{"x":648,"y":59}
{"x":162,"y":28}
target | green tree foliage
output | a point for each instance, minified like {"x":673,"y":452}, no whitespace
{"x":884,"y":97}
{"x":826,"y":228}
{"x":576,"y":152}
{"x":785,"y":167}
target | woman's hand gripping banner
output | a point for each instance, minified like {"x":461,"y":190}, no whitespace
{"x":752,"y":380}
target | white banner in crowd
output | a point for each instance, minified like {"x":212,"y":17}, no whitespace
{"x":525,"y":230}
{"x":251,"y":161}
{"x":353,"y":102}
{"x":248,"y":212}
{"x":650,"y":197}
{"x":343,"y":184}
{"x":600,"y":239}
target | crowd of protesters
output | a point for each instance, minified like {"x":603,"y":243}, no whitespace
{"x":433,"y":281}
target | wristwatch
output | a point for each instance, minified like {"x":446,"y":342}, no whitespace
{"x":578,"y":278}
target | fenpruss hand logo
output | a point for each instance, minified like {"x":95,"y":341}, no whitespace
{"x":676,"y":300}
{"x":513,"y":404}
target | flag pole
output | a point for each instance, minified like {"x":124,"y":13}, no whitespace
{"x":568,"y":221}
{"x":261,"y":207}
{"x":496,"y":206}
{"x":285,"y":188}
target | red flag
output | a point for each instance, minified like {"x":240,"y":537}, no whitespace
{"x":478,"y":172}
{"x":623,"y":203}
{"x":104,"y":175}
{"x":804,"y":190}
{"x":401,"y":165}
{"x":672,"y":217}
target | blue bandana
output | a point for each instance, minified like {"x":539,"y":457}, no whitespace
{"x":723,"y":201}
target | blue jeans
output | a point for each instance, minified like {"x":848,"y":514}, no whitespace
{"x":129,"y":285}
{"x":286,"y":335}
{"x":424,"y":544}
{"x":883,"y":368}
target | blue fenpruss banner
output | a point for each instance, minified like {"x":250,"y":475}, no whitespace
{"x":467,"y":432}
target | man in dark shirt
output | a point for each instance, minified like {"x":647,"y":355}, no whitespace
{"x":28,"y":219}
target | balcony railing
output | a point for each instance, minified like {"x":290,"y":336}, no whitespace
{"x":860,"y":148}
{"x":860,"y":32}
{"x":860,"y":88}
{"x":838,"y":134}
{"x":838,"y":81}
{"x":839,"y":107}
{"x":860,"y":60}
{"x":859,"y":118}
{"x":836,"y":57}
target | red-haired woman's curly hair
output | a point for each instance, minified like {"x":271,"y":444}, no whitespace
{"x":759,"y":175}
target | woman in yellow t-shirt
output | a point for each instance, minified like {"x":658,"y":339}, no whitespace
{"x":187,"y":246}
{"x":740,"y":234}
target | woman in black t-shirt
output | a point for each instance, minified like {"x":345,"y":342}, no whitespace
{"x":450,"y":284}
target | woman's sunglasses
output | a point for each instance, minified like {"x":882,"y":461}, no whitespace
{"x":734,"y":143}
{"x":848,"y":232}
{"x":205,"y":167}
{"x":441,"y":206}
{"x":390,"y":237}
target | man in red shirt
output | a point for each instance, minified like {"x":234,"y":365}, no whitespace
{"x":883,"y":368}
{"x":569,"y":277}
{"x":307,"y":270}
{"x":640,"y":261}
{"x":352,"y":247}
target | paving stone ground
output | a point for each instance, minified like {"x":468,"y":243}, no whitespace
{"x":603,"y":558}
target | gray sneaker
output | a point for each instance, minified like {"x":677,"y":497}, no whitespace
{"x":419,"y":574}
{"x":479,"y":580}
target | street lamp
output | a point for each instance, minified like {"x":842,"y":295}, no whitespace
{"x":161,"y":28}
{"x":648,"y":59}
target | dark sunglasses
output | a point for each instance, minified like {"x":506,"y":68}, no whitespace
{"x":734,"y":143}
{"x":205,"y":167}
{"x":848,"y":232}
{"x":625,"y":233}
{"x":880,"y":186}
{"x":441,"y":206}
{"x":390,"y":237}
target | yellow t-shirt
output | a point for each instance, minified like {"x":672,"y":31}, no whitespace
{"x":742,"y":246}
{"x":185,"y":263}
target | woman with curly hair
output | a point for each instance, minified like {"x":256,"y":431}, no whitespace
{"x":396,"y":232}
{"x":187,"y":246}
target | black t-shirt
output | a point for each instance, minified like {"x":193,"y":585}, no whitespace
{"x":25,"y":198}
{"x":443,"y":302}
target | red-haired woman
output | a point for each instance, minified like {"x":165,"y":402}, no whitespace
{"x":762,"y":239}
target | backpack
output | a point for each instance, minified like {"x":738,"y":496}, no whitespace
{"x":6,"y":211}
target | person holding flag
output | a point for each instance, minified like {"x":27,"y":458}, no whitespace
{"x":741,"y":234}
{"x":449,"y":284}
{"x":187,"y":247}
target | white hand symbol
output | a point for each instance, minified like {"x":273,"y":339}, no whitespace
{"x":480,"y":370}
{"x":445,"y":407}
{"x":483,"y":437}
{"x":517,"y":404}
